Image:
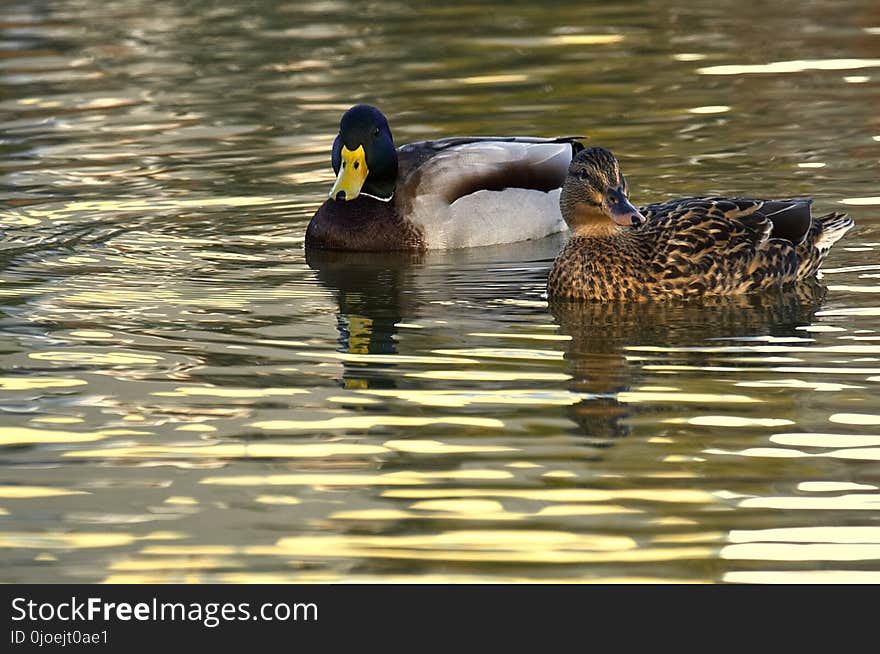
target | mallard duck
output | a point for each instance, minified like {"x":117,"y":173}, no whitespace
{"x":681,"y":248}
{"x":449,"y":193}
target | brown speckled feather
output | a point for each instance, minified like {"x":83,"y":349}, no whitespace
{"x":695,"y":247}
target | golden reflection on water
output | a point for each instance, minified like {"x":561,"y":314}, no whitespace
{"x":850,"y":502}
{"x":76,"y":541}
{"x":251,"y":450}
{"x":368,"y":422}
{"x":488,"y":375}
{"x":319,"y":578}
{"x":462,"y":399}
{"x":26,"y":435}
{"x":797,"y":66}
{"x":27,"y":492}
{"x":465,"y":545}
{"x":826,"y":440}
{"x":421,"y":446}
{"x":37,"y":383}
{"x":673,"y":495}
{"x":97,"y":358}
{"x":801,"y":552}
{"x":635,"y":397}
{"x":172,"y":353}
{"x":245,"y":393}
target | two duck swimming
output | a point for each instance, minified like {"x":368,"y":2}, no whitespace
{"x":469,"y":191}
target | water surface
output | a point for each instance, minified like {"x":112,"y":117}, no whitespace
{"x":187,"y":395}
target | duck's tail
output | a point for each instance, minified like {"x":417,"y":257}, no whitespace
{"x":824,"y":232}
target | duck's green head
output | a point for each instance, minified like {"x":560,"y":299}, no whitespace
{"x":594,"y":194}
{"x":364,"y":157}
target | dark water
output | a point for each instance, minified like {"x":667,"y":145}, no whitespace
{"x":187,"y":396}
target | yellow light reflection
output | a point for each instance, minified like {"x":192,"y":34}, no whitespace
{"x":398,"y":359}
{"x":826,"y":440}
{"x":521,"y":546}
{"x":831,"y":486}
{"x":855,"y":419}
{"x":234,"y":451}
{"x":167,"y":563}
{"x":583,"y":509}
{"x":796,"y":66}
{"x":57,"y":420}
{"x":488,"y":375}
{"x":501,"y":353}
{"x":28,"y":492}
{"x":710,"y":109}
{"x":856,"y":453}
{"x":634,"y":397}
{"x":466,"y":398}
{"x":278,"y":499}
{"x":54,"y":540}
{"x":483,"y":508}
{"x":97,"y":358}
{"x":801,"y":552}
{"x":28,"y":435}
{"x":730,"y":421}
{"x":850,"y":535}
{"x":675,"y":495}
{"x":506,"y":546}
{"x":531,"y":337}
{"x":368,"y":422}
{"x":210,"y":391}
{"x":494,"y":79}
{"x":37,"y":383}
{"x":555,"y":40}
{"x":861,"y":202}
{"x":321,"y":577}
{"x":197,"y":427}
{"x":413,"y":446}
{"x":181,"y":500}
{"x":372,"y":514}
{"x":88,"y":333}
{"x":329,"y":479}
{"x":851,"y":501}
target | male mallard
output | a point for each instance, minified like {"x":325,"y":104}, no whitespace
{"x":450,"y":193}
{"x":681,"y":248}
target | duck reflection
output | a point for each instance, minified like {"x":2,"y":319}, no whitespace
{"x":374,"y":292}
{"x":601,"y":332}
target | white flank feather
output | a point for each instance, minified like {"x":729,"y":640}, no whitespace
{"x":487,"y":217}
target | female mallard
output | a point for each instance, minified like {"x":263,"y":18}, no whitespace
{"x":681,"y":248}
{"x":450,"y":193}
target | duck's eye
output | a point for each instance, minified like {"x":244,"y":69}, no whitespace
{"x":375,"y":132}
{"x":581,"y":174}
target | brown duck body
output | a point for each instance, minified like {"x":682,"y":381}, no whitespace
{"x":695,"y":247}
{"x":364,"y":224}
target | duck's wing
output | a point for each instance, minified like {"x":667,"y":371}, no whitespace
{"x":692,"y":227}
{"x":790,"y":218}
{"x":467,"y":191}
{"x":717,"y":245}
{"x":458,"y":166}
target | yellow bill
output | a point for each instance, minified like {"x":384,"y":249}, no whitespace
{"x":352,"y":174}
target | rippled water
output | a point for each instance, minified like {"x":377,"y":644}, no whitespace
{"x":188,"y":396}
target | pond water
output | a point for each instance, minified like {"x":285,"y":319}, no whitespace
{"x":188,"y":396}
